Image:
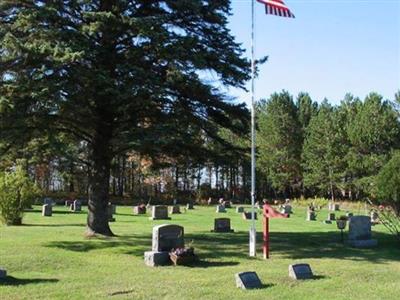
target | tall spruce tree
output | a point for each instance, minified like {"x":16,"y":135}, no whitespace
{"x":118,"y":76}
{"x":279,"y":142}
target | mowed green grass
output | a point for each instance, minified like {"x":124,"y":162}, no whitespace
{"x":49,"y":258}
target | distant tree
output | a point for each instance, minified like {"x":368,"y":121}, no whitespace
{"x":118,"y":76}
{"x":279,"y":142}
{"x":373,"y":132}
{"x":323,"y":153}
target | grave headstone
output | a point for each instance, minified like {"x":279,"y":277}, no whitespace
{"x":360,"y":232}
{"x":110,"y":210}
{"x":311,"y":215}
{"x":240,"y":209}
{"x":227,"y":204}
{"x":189,"y":205}
{"x":47,"y":210}
{"x":48,"y":201}
{"x":77,"y":205}
{"x":222,"y":225}
{"x":175,"y":209}
{"x":220,"y":209}
{"x":68,"y":203}
{"x":349,"y":214}
{"x":374,"y":217}
{"x":139,"y":210}
{"x":3,"y":273}
{"x":165,"y":238}
{"x":247,"y":215}
{"x":286,"y":209}
{"x":300,"y":271}
{"x":333,"y":206}
{"x":248,"y":280}
{"x":159,"y":212}
{"x":331,"y":217}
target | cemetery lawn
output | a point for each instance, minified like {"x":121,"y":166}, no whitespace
{"x":49,"y":258}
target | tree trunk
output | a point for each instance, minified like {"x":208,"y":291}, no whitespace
{"x":97,"y":221}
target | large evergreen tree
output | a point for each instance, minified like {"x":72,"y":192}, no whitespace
{"x":118,"y":76}
{"x":279,"y":142}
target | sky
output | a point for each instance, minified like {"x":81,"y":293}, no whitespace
{"x":331,"y":48}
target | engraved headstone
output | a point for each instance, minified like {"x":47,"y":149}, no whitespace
{"x":47,"y":210}
{"x":247,"y":215}
{"x":331,"y":217}
{"x":360,"y":232}
{"x":175,"y":209}
{"x":139,"y":209}
{"x":300,"y":271}
{"x":248,"y":280}
{"x":222,"y":225}
{"x":227,"y":204}
{"x":189,"y":205}
{"x":311,"y":215}
{"x":48,"y":201}
{"x":159,"y":212}
{"x":3,"y":273}
{"x":167,"y":237}
{"x":220,"y":209}
{"x":110,"y":209}
{"x":77,"y":205}
{"x":240,"y":209}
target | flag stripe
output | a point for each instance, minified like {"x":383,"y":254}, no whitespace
{"x":277,"y":8}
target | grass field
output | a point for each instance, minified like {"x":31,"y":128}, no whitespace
{"x":49,"y":258}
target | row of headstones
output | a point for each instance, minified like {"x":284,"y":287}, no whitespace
{"x":250,"y":280}
{"x":312,"y":216}
{"x":47,"y":209}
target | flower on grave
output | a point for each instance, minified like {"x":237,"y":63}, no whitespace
{"x":183,"y":251}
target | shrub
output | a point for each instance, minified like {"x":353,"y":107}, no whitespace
{"x":17,"y":191}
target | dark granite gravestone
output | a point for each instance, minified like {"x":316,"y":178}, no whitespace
{"x":248,"y":280}
{"x":47,"y":210}
{"x":220,"y":209}
{"x":222,"y":225}
{"x":3,"y":273}
{"x":240,"y":209}
{"x":159,"y":212}
{"x":311,"y":215}
{"x":227,"y":204}
{"x":360,"y":232}
{"x":247,"y":215}
{"x":110,"y":211}
{"x":189,"y":205}
{"x":77,"y":205}
{"x":300,"y":271}
{"x":139,"y":210}
{"x":331,"y":217}
{"x":175,"y":209}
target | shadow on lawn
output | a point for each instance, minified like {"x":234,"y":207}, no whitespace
{"x":54,"y":225}
{"x":12,"y":281}
{"x":290,"y":245}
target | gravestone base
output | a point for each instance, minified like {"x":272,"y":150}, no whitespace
{"x":363,"y":243}
{"x":155,"y":218}
{"x":156,"y":258}
{"x":222,"y":230}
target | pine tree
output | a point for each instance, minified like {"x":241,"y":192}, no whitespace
{"x":118,"y":76}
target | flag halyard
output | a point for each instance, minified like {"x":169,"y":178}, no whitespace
{"x":277,"y":8}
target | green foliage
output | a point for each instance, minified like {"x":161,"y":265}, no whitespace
{"x":17,"y":192}
{"x":388,"y":183}
{"x":279,"y":142}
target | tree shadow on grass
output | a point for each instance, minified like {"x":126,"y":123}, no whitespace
{"x":54,"y":225}
{"x":12,"y":281}
{"x":228,"y":246}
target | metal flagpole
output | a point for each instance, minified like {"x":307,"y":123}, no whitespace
{"x":252,"y":233}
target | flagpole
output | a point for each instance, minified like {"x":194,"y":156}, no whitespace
{"x":252,"y":233}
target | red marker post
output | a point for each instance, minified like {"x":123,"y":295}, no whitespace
{"x":266,"y":232}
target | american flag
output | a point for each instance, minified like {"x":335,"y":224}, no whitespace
{"x":277,"y":8}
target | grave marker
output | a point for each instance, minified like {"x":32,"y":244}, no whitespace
{"x":175,"y":209}
{"x":222,"y":225}
{"x":220,"y":209}
{"x":160,"y":212}
{"x":47,"y":210}
{"x":240,"y":209}
{"x":248,"y":280}
{"x":360,"y":232}
{"x":300,"y":271}
{"x":3,"y":273}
